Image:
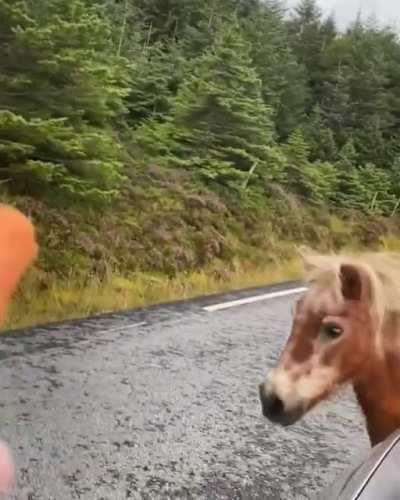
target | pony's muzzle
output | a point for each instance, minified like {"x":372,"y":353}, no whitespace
{"x":273,"y":408}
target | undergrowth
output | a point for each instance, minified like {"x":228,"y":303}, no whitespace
{"x":170,"y":238}
{"x":73,"y":298}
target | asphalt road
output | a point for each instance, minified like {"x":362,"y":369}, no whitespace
{"x":163,"y":403}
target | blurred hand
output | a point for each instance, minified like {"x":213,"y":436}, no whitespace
{"x":18,"y":249}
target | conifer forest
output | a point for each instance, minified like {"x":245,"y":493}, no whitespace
{"x":161,"y":142}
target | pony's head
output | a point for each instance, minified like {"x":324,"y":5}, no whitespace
{"x":334,"y":334}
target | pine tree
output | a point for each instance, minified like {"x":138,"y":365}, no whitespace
{"x":355,"y":100}
{"x":151,"y":85}
{"x":351,"y":192}
{"x":62,"y":89}
{"x":336,"y":106}
{"x":170,"y":20}
{"x":284,"y":82}
{"x":313,"y":182}
{"x":390,"y":47}
{"x":219,"y":125}
{"x":155,"y":67}
{"x":310,"y":39}
{"x":369,"y":97}
{"x":320,"y":137}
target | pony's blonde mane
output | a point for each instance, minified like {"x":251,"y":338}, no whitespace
{"x":382,"y":268}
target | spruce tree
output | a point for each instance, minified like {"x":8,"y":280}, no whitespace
{"x":62,"y":90}
{"x":320,"y":137}
{"x":310,"y":37}
{"x":314,"y":182}
{"x":284,"y":81}
{"x":219,"y":125}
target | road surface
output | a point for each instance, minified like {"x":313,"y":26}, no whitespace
{"x":163,"y":403}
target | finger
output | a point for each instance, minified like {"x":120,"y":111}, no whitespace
{"x":18,"y":249}
{"x":7,"y":469}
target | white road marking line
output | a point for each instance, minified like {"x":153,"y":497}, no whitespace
{"x":255,"y":298}
{"x":121,"y":328}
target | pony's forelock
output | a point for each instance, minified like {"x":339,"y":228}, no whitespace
{"x":382,"y":270}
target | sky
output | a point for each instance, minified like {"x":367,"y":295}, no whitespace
{"x":386,"y":11}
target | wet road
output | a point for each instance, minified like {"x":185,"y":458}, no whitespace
{"x":162,"y":403}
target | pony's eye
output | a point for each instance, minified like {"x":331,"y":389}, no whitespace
{"x":332,"y":331}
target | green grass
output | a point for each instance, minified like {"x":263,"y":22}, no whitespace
{"x":80,"y":296}
{"x":167,"y":240}
{"x":73,"y":299}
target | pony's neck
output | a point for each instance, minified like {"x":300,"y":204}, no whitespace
{"x":378,"y":389}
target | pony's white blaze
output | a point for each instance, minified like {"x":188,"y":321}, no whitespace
{"x":320,"y":380}
{"x":296,"y":391}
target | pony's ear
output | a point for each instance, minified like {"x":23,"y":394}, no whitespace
{"x":356,"y":282}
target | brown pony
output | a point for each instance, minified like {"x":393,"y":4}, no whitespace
{"x":346,"y":329}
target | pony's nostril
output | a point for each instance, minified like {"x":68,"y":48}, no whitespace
{"x":272,"y":406}
{"x":276,"y":406}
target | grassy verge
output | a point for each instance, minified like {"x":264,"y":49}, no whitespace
{"x":76,"y":297}
{"x":171,"y":238}
{"x":71,"y":298}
